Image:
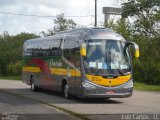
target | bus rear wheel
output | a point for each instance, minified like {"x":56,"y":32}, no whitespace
{"x":66,"y":91}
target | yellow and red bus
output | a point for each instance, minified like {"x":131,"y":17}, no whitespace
{"x":85,"y":62}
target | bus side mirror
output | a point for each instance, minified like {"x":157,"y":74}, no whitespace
{"x":136,"y":48}
{"x":83,"y":49}
{"x":137,"y":54}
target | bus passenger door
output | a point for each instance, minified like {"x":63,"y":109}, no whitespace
{"x":77,"y":73}
{"x":71,"y":52}
{"x":75,"y":60}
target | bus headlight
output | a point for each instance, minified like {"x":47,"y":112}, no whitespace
{"x":129,"y":85}
{"x":88,"y":85}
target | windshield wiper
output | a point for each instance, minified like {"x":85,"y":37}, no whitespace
{"x":106,"y":75}
{"x":109,"y":76}
{"x":122,"y":73}
{"x":97,"y":72}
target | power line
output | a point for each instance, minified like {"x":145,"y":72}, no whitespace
{"x":33,"y":15}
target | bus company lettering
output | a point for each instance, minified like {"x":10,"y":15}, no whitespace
{"x":53,"y":63}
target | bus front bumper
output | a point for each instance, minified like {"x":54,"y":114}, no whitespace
{"x":96,"y":91}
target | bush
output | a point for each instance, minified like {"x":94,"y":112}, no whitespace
{"x":15,"y":69}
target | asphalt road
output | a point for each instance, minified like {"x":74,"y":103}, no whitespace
{"x":16,"y":97}
{"x":21,"y":108}
{"x":26,"y":109}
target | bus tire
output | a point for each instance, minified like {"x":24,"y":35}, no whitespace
{"x":34,"y":88}
{"x":66,"y":91}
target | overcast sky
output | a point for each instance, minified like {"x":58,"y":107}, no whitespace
{"x":15,"y":24}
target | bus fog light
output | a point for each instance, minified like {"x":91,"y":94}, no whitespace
{"x":129,"y":85}
{"x":88,"y":85}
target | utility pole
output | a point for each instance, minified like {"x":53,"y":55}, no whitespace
{"x":95,"y":13}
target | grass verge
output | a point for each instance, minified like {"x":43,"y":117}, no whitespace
{"x":144,"y":87}
{"x":10,"y":78}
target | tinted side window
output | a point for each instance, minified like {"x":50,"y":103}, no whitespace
{"x":55,"y":47}
{"x":71,"y":51}
{"x":68,"y":45}
{"x":48,"y":47}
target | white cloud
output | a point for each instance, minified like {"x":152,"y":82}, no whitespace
{"x":16,"y":24}
{"x":43,"y":10}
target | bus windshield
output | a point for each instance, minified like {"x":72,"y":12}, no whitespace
{"x":107,"y":58}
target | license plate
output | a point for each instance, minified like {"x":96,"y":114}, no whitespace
{"x":110,"y":92}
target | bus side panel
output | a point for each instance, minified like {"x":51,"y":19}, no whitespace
{"x":55,"y":69}
{"x":40,"y":57}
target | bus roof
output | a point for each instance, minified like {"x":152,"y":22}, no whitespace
{"x":92,"y":33}
{"x":85,"y":34}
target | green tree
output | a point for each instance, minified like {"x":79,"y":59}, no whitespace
{"x":61,"y":23}
{"x":145,"y":30}
{"x":122,"y":27}
{"x":11,"y":48}
{"x":145,"y":15}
